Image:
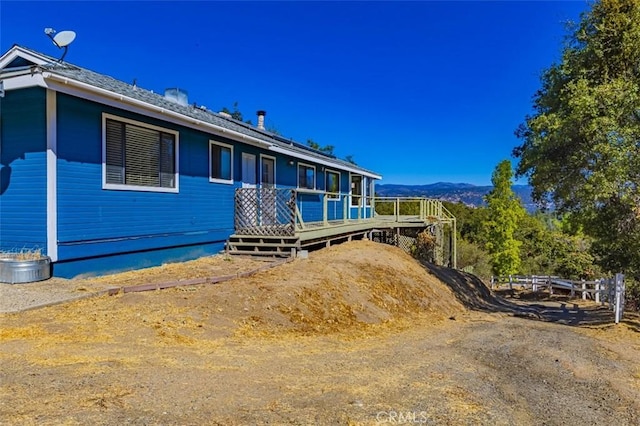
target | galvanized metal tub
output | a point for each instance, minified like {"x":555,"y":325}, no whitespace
{"x":16,"y":271}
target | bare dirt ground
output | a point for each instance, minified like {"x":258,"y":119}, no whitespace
{"x":359,"y":333}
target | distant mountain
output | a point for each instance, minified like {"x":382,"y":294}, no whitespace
{"x":466,"y":193}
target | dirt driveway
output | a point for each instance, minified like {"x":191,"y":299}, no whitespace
{"x":357,"y":334}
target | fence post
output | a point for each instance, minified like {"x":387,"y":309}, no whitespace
{"x":573,"y":291}
{"x":534,"y":283}
{"x":492,"y":282}
{"x":550,"y":285}
{"x":584,"y":287}
{"x":619,"y":297}
{"x":598,"y":285}
{"x":510,"y":283}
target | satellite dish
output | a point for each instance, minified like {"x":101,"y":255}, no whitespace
{"x":64,"y":38}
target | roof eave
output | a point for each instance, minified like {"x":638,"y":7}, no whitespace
{"x":62,"y":84}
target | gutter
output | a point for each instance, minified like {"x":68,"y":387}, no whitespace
{"x":195,"y":123}
{"x":327,"y":163}
{"x":189,"y":121}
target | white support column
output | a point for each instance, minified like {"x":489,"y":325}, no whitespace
{"x":52,"y":176}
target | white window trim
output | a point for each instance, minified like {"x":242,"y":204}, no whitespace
{"x":275,"y":162}
{"x":332,"y":196}
{"x":123,"y":187}
{"x":217,"y":180}
{"x":352,"y":195}
{"x":314,"y":176}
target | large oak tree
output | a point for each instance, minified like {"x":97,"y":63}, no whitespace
{"x":581,"y":145}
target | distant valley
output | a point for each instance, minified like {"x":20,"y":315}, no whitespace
{"x":466,"y":193}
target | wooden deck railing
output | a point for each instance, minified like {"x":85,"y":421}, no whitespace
{"x":426,"y":209}
{"x":312,"y":215}
{"x":283,"y":211}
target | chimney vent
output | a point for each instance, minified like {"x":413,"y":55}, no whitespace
{"x":177,"y":96}
{"x":261,"y":115}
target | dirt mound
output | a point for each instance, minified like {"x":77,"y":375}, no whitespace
{"x":349,"y":287}
{"x":355,"y":284}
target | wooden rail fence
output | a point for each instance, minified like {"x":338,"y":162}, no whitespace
{"x":608,"y":291}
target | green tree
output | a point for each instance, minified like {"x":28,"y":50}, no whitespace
{"x":580,"y":148}
{"x":469,"y":221}
{"x":327,"y":149}
{"x":349,"y":159}
{"x":236,"y":114}
{"x":505,"y":212}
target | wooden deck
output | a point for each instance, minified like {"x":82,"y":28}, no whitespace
{"x":286,"y":237}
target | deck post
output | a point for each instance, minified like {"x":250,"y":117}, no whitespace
{"x":345,"y":207}
{"x":454,"y":246}
{"x":325,"y":209}
{"x":397,"y":209}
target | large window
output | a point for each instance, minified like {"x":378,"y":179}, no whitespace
{"x":333,"y":185}
{"x":306,"y":176}
{"x":139,"y":156}
{"x":220,"y":162}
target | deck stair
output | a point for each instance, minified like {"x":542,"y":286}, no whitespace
{"x":283,"y":246}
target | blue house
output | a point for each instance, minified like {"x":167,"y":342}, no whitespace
{"x":102,"y":175}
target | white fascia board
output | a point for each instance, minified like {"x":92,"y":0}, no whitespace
{"x":103,"y":96}
{"x":96,"y":94}
{"x":52,"y":177}
{"x":23,"y":81}
{"x":17,"y":51}
{"x":324,"y":162}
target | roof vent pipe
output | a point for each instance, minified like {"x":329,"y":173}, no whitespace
{"x":261,"y":115}
{"x":177,"y":96}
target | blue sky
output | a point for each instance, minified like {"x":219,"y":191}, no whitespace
{"x":419,"y":92}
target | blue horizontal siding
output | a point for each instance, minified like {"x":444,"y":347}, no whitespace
{"x":93,"y":266}
{"x":310,"y":207}
{"x":103,"y":221}
{"x":98,"y":227}
{"x":23,"y":193}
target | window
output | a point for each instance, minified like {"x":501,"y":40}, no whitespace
{"x":267,"y":171}
{"x":356,"y":190}
{"x":220,"y":162}
{"x":306,"y":176}
{"x":333,"y":185}
{"x":139,"y":156}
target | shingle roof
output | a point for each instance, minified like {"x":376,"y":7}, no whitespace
{"x":111,"y":84}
